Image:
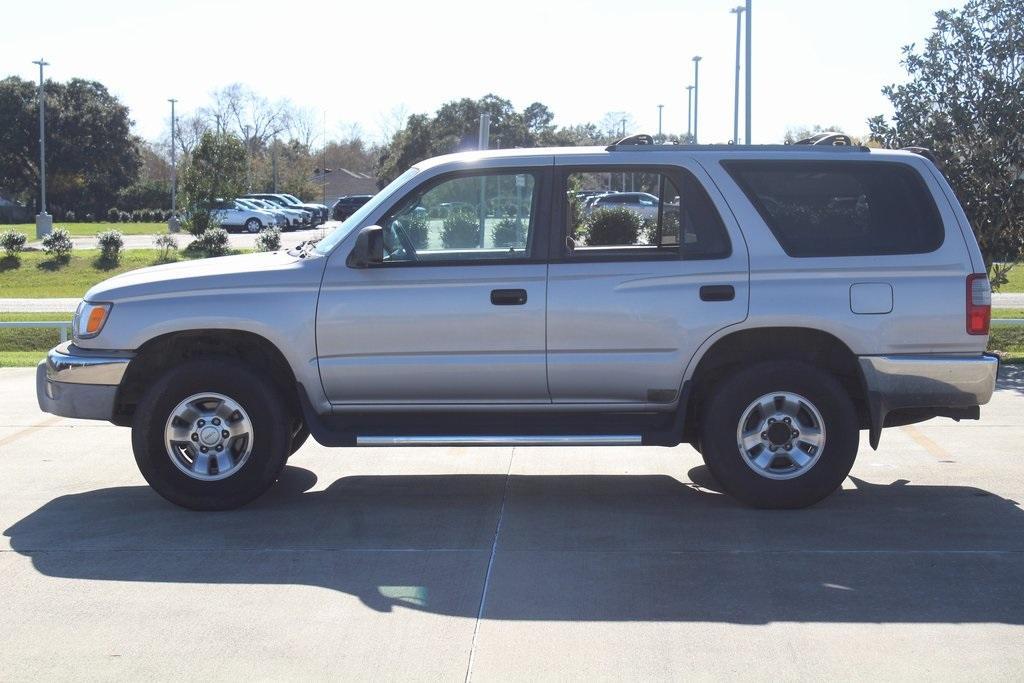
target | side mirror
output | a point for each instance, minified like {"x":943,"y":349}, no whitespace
{"x":369,"y":248}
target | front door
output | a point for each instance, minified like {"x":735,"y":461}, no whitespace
{"x":632,"y":293}
{"x":456,"y":312}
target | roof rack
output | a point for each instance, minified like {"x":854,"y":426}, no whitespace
{"x":826,"y":143}
{"x":830,"y":137}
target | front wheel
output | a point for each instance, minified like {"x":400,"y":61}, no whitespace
{"x":253,"y":225}
{"x":780,"y":434}
{"x":209,"y":435}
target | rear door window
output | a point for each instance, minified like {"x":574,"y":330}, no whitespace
{"x":668,"y":216}
{"x":826,"y":208}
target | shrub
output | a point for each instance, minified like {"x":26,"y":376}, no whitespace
{"x":167,"y":215}
{"x":607,"y":227}
{"x":12,"y":242}
{"x":89,"y":218}
{"x":58,"y":244}
{"x":136,"y":216}
{"x":461,"y":229}
{"x":415,"y":225}
{"x":166,"y":243}
{"x":509,"y":233}
{"x":269,"y":239}
{"x":213,"y":242}
{"x":69,"y":216}
{"x":111,"y":242}
{"x":124,"y":217}
{"x":113,"y":215}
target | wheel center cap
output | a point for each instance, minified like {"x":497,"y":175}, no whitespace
{"x":210,"y":436}
{"x":779,"y":433}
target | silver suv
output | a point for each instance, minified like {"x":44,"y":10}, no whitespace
{"x":778,"y":301}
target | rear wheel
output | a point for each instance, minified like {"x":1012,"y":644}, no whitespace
{"x":780,"y":434}
{"x":209,"y":435}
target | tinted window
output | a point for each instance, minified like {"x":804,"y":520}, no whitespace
{"x":822,"y":208}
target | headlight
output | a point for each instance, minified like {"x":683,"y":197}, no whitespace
{"x":89,"y":319}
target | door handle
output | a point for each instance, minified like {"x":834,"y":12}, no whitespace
{"x":717,"y":293}
{"x":508,"y":297}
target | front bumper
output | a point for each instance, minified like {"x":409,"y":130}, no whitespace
{"x":74,"y":382}
{"x":942,"y":383}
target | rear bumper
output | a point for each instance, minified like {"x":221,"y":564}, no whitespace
{"x":74,"y":382}
{"x":951,"y":384}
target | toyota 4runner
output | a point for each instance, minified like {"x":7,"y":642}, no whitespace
{"x":775,"y":302}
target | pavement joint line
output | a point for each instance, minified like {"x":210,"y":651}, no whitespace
{"x":46,"y":422}
{"x":926,"y":443}
{"x":490,"y":566}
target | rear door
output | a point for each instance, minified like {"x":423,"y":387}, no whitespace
{"x":631,"y":297}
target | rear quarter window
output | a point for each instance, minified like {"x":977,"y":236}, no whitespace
{"x":825,"y":208}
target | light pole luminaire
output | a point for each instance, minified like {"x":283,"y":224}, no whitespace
{"x":44,"y":221}
{"x":696,"y":95}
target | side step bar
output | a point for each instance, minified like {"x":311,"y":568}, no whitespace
{"x":541,"y":440}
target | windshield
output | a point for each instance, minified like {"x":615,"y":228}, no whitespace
{"x":328,"y":243}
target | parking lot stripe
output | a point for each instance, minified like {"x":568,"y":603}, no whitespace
{"x":926,"y":443}
{"x":48,"y":422}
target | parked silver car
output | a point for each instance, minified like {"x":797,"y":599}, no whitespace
{"x":782,"y":299}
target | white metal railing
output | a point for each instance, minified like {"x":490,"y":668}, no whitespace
{"x":63,"y":325}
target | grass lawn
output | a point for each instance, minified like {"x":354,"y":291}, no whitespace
{"x":26,"y":346}
{"x":1008,"y":312}
{"x":21,"y":359}
{"x":1016,"y":283}
{"x":90,"y":229}
{"x":35,"y":275}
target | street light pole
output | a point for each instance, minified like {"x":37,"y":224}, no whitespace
{"x":689,"y":114}
{"x":44,"y":221}
{"x":696,"y":95}
{"x":660,"y":107}
{"x":172,"y":222}
{"x":738,"y":11}
{"x":747,"y":136}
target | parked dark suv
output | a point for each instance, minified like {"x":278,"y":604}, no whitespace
{"x":347,"y":205}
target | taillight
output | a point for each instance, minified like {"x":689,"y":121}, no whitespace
{"x":979,"y":304}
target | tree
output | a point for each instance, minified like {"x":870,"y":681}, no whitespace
{"x":216,"y":169}
{"x":91,"y":153}
{"x":455,"y":127}
{"x":965,"y":102}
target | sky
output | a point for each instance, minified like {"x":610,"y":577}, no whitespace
{"x":358,"y":62}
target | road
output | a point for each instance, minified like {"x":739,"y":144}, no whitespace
{"x":525,"y":563}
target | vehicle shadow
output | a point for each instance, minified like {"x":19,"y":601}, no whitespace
{"x":617,"y":548}
{"x":1011,"y":377}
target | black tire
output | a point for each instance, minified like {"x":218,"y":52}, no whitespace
{"x":253,"y":226}
{"x":272,"y":434}
{"x":726,"y":406}
{"x":300,"y":432}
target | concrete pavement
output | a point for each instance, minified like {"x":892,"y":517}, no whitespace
{"x":525,"y":563}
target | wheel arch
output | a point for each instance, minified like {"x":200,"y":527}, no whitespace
{"x":158,"y":354}
{"x":742,"y":347}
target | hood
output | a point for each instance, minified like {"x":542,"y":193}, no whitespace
{"x":244,"y":271}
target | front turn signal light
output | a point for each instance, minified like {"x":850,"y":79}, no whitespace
{"x":90,"y":319}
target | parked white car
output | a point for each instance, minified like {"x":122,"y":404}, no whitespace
{"x":639,"y":202}
{"x":231,"y":214}
{"x":286,"y":218}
